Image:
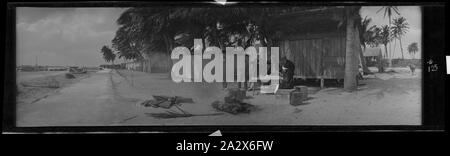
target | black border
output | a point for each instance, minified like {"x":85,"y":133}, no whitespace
{"x":433,"y":92}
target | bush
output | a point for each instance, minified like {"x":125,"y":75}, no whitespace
{"x":69,"y":76}
{"x":402,"y":62}
{"x":406,"y":62}
{"x":385,"y":62}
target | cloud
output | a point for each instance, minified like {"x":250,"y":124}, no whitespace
{"x":59,"y":36}
{"x":71,"y":27}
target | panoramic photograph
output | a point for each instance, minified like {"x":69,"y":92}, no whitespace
{"x":233,"y":65}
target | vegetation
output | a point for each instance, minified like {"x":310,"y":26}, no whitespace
{"x":108,"y":54}
{"x":413,"y":49}
{"x":384,"y":38}
{"x":367,"y":36}
{"x":389,"y":11}
{"x":146,"y":30}
{"x":399,"y":29}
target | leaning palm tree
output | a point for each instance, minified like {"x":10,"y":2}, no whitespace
{"x":399,"y":28}
{"x":413,"y":49}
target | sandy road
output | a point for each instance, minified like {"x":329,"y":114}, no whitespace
{"x":33,"y":75}
{"x":106,"y":99}
{"x":86,"y":103}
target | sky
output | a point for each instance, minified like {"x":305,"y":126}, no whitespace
{"x":74,"y":36}
{"x":413,"y":17}
{"x":64,"y":36}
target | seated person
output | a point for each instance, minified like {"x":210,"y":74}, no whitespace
{"x":287,"y":73}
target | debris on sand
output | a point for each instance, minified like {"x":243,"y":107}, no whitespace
{"x":233,"y":102}
{"x":296,"y":110}
{"x":70,"y":76}
{"x":235,"y":95}
{"x":168,"y":102}
{"x":50,"y":84}
{"x":390,"y":71}
{"x":233,"y":107}
{"x":53,"y":83}
{"x":36,"y":100}
{"x":77,"y":71}
{"x":172,"y":114}
{"x":124,"y":120}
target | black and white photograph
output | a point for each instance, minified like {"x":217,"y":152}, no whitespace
{"x":188,"y":65}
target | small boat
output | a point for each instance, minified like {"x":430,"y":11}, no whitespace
{"x":77,"y":71}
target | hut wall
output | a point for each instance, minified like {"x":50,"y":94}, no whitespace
{"x":159,"y":63}
{"x":316,"y":55}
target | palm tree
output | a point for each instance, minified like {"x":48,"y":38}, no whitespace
{"x":373,"y":37}
{"x":353,"y":47}
{"x":366,"y":37}
{"x":413,"y":49}
{"x":389,"y":11}
{"x":385,"y":38}
{"x":400,"y":27}
{"x":108,"y":54}
{"x":148,"y":29}
{"x":125,"y":47}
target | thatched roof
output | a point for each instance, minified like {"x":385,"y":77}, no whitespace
{"x":309,"y":20}
{"x":372,"y":51}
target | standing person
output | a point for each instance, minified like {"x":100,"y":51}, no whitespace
{"x":412,"y":67}
{"x":287,"y":73}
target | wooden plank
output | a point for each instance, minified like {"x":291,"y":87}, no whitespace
{"x":313,"y":52}
{"x":296,"y":51}
{"x":319,"y":57}
{"x":316,"y":58}
{"x":333,"y":60}
{"x":303,"y":59}
{"x":288,"y":50}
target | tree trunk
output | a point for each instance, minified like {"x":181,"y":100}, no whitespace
{"x":385,"y":48}
{"x":395,"y":45}
{"x":385,"y":51}
{"x":363,"y":61}
{"x":169,"y":46}
{"x":380,"y":64}
{"x":113,"y":67}
{"x":146,"y":63}
{"x":390,"y":47}
{"x":381,"y":61}
{"x":390,"y":62}
{"x":390,"y":59}
{"x":351,"y":51}
{"x":401,"y":48}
